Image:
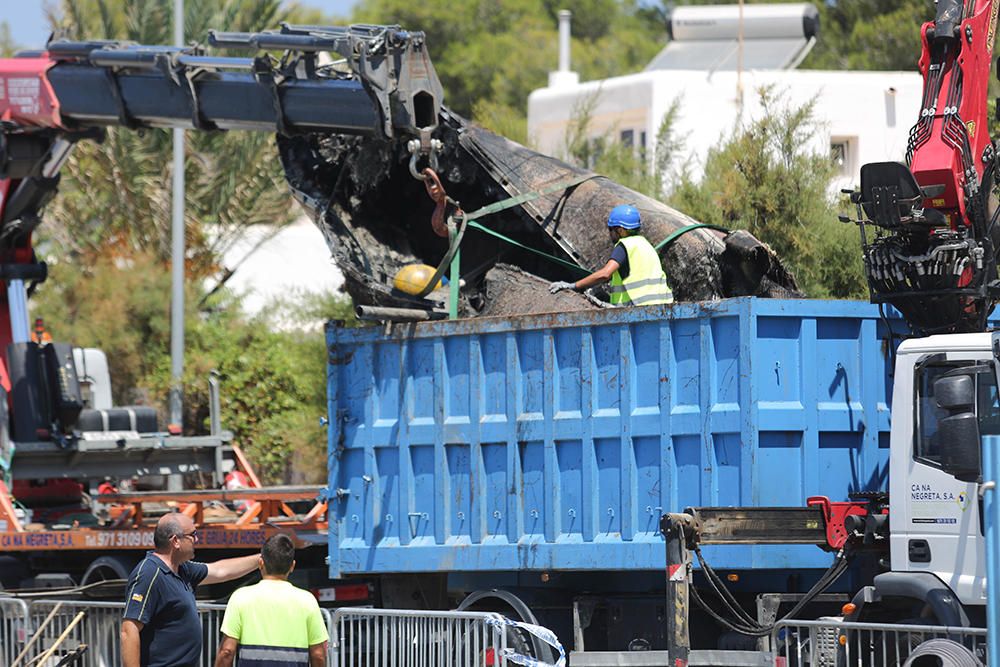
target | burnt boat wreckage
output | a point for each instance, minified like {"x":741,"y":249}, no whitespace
{"x":376,"y":217}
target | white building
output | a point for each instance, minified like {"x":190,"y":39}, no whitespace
{"x":272,"y":267}
{"x":860,"y":116}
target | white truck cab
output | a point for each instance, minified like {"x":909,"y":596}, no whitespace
{"x":944,"y":397}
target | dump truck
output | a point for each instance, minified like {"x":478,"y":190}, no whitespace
{"x":569,"y":467}
{"x":523,"y":465}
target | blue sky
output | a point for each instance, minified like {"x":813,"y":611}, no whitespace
{"x":29,"y":28}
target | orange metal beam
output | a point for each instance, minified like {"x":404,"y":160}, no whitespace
{"x":280,"y":493}
{"x":252,"y":512}
{"x":212,"y":536}
{"x":243,"y":463}
{"x":317,"y":513}
{"x":268,"y":512}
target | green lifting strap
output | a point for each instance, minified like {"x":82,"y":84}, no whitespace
{"x":455,"y":240}
{"x":684,"y":230}
{"x":467,"y":220}
{"x":521,"y":199}
{"x":529,"y":196}
{"x":557,"y":260}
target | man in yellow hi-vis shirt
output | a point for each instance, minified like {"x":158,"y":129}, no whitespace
{"x":634,"y":269}
{"x":273,"y":623}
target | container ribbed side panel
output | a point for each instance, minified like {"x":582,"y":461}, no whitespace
{"x":556,"y":441}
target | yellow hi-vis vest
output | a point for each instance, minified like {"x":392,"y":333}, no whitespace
{"x":646,"y":284}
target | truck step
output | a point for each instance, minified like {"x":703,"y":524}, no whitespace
{"x":717,"y":658}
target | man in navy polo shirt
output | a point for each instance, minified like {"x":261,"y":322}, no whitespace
{"x":160,"y":626}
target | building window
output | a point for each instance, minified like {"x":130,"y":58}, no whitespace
{"x":842,"y":151}
{"x":627,"y":137}
{"x":595,"y":149}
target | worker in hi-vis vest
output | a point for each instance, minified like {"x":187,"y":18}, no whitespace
{"x":636,"y":276}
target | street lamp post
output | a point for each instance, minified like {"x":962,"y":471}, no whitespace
{"x":177,"y":255}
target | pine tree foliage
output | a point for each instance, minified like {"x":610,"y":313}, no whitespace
{"x":765,"y":179}
{"x":115,"y":197}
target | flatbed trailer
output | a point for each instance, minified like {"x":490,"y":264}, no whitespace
{"x":268,"y":513}
{"x":75,"y":533}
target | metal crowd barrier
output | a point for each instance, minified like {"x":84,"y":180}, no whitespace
{"x":359,"y":637}
{"x":834,"y":643}
{"x":13,"y":628}
{"x":363,"y":637}
{"x":100,"y":629}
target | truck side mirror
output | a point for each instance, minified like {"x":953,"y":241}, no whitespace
{"x":959,"y":431}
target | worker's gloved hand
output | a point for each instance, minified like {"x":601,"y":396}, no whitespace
{"x":560,"y":285}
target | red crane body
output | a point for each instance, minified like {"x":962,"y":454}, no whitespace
{"x":934,"y":251}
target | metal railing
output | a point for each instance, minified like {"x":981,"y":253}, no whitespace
{"x":362,"y":637}
{"x":13,"y":628}
{"x":835,"y":643}
{"x":359,"y":637}
{"x":100,"y":629}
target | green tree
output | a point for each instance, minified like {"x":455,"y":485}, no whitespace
{"x":271,"y":368}
{"x":120,"y":305}
{"x":629,"y":44}
{"x":869,"y":35}
{"x":272,"y":392}
{"x":764,"y":179}
{"x":7,"y":44}
{"x":115,"y":196}
{"x":669,"y":145}
{"x":505,"y":120}
{"x":495,"y":52}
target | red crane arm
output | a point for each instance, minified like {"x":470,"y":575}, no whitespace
{"x":928,"y":228}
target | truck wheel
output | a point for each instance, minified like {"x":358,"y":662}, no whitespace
{"x":511,"y":606}
{"x":109,"y":568}
{"x":942,"y":652}
{"x":872,"y":649}
{"x":12,"y":572}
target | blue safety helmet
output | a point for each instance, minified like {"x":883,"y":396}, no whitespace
{"x":625,"y":216}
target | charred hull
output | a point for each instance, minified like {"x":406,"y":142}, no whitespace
{"x":376,"y":219}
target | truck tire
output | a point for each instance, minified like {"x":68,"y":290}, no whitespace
{"x":942,"y":652}
{"x":895,"y":647}
{"x":109,"y":568}
{"x":511,"y":606}
{"x":12,"y":572}
{"x":931,"y":599}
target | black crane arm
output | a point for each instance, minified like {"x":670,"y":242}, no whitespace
{"x":385,"y":83}
{"x":382,"y":85}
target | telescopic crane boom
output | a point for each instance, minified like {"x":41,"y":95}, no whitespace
{"x":384,"y":86}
